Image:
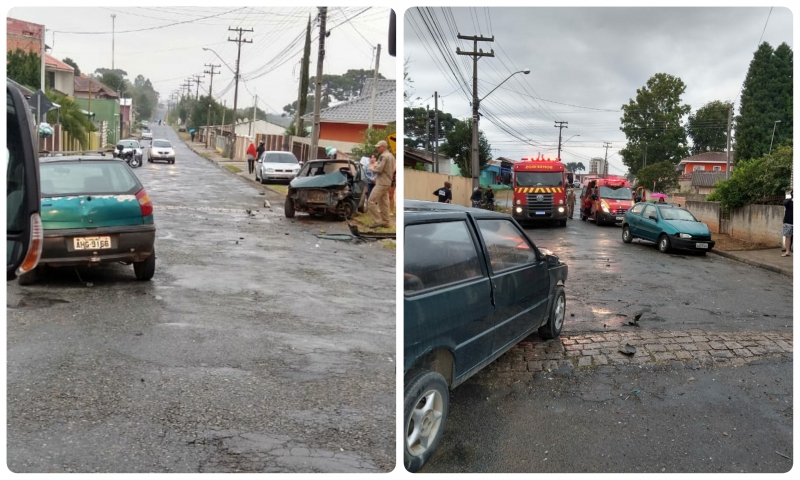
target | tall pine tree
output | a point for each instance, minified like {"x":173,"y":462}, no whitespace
{"x":784,"y":62}
{"x":767,"y":92}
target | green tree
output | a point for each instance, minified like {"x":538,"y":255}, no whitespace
{"x":766,"y":97}
{"x":652,"y":123}
{"x":24,"y":68}
{"x":417,"y":130}
{"x":575,"y":167}
{"x":291,"y":108}
{"x":754,"y":179}
{"x":662,"y":174}
{"x":459,"y":147}
{"x":74,"y":65}
{"x":112,"y":80}
{"x":708,"y":127}
{"x":71,"y":117}
{"x":371,"y":137}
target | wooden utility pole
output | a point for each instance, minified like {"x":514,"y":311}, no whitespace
{"x":475,"y":54}
{"x":198,"y":82}
{"x":374,"y":86}
{"x":210,"y":97}
{"x":436,"y":132}
{"x":302,"y":92}
{"x":728,"y":157}
{"x":239,"y":41}
{"x":253,"y":123}
{"x":605,"y":162}
{"x":312,"y":152}
{"x":560,"y":126}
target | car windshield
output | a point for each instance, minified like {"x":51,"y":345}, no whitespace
{"x":319,"y":168}
{"x":539,"y":179}
{"x":270,"y":157}
{"x":621,"y":193}
{"x":129,"y":143}
{"x":68,"y":178}
{"x":162,"y":144}
{"x":672,"y":213}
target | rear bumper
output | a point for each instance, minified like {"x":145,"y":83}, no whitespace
{"x":128,"y":244}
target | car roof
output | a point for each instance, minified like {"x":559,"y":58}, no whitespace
{"x":419,"y":209}
{"x":161,"y":140}
{"x":278,"y":151}
{"x":79,"y":158}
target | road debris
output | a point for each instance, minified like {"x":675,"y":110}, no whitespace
{"x":627,"y":349}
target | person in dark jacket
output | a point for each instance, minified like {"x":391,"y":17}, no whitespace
{"x":477,"y":197}
{"x":444,"y":193}
{"x":260,"y":149}
{"x":786,"y":232}
{"x":489,"y":195}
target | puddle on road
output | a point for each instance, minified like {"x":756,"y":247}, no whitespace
{"x":35,"y":302}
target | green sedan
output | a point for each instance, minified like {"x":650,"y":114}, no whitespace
{"x":667,"y":225}
{"x":94,"y":211}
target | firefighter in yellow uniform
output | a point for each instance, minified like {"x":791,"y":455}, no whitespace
{"x":379,"y":198}
{"x":570,"y":202}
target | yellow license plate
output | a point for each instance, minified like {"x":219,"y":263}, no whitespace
{"x":91,"y":243}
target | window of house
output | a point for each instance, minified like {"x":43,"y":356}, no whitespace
{"x":698,"y":168}
{"x":717,"y":169}
{"x":51,"y":79}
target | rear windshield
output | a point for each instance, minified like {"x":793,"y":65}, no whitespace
{"x":162,"y":144}
{"x":278,"y":158}
{"x":86,"y":178}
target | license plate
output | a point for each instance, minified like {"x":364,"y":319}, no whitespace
{"x":619,"y":219}
{"x":91,"y":243}
{"x":539,"y":212}
{"x":701,"y":245}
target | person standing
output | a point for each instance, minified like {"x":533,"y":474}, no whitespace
{"x":570,"y":203}
{"x":371,"y":176}
{"x":489,"y":196}
{"x":477,"y":197}
{"x":192,"y":135}
{"x":260,"y":149}
{"x":786,"y":232}
{"x":444,"y":193}
{"x":379,"y":198}
{"x":251,"y":157}
{"x":393,"y":192}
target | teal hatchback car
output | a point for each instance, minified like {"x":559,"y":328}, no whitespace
{"x":667,"y":225}
{"x":94,"y":211}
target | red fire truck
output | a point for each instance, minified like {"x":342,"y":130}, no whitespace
{"x":609,"y":198}
{"x":539,"y":191}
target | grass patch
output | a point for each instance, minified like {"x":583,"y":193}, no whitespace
{"x":233,"y":168}
{"x":282,"y":189}
{"x":390,"y":244}
{"x":365,"y":220}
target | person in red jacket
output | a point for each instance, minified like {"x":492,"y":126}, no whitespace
{"x":251,"y":157}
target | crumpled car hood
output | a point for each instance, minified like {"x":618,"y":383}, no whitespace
{"x":335,"y":179}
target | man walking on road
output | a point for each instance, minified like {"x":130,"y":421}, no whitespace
{"x":570,"y":203}
{"x":379,"y":198}
{"x":251,"y":157}
{"x":787,"y":224}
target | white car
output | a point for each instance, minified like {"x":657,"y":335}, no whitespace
{"x":275,"y":165}
{"x":147,"y":134}
{"x":125,"y":146}
{"x":161,"y":149}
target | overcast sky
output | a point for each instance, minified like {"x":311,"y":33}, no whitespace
{"x":585,"y":61}
{"x":167,"y":55}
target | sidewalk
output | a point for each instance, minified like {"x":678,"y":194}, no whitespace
{"x":768,"y":259}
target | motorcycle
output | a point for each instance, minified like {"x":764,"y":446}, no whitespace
{"x":131,"y":159}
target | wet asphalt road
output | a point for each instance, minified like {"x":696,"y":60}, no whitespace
{"x":257,"y":347}
{"x":671,"y":417}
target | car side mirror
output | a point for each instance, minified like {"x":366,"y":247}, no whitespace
{"x":653,"y":217}
{"x":552,"y":260}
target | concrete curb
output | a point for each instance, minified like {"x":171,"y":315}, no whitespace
{"x":247,"y":177}
{"x":755,"y":264}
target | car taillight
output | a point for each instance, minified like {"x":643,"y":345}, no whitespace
{"x":144,"y":203}
{"x":35,"y":246}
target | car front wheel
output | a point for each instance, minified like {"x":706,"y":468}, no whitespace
{"x":555,"y":320}
{"x":288,"y":208}
{"x":627,"y":237}
{"x":663,"y":243}
{"x":426,"y":406}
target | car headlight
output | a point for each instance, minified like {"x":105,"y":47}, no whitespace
{"x":519,"y":202}
{"x":684,"y":235}
{"x":519,"y":209}
{"x":560,"y":209}
{"x":604,"y":206}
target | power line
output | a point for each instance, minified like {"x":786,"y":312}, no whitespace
{"x":150,"y":28}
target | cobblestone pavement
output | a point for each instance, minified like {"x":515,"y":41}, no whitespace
{"x":694,"y":346}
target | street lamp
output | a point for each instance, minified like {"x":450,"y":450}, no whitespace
{"x":570,"y":138}
{"x":476,"y":181}
{"x":773,"y":135}
{"x":223,"y":61}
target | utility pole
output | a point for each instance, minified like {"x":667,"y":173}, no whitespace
{"x":374,"y":86}
{"x":605,"y":162}
{"x":312,"y":152}
{"x":302,"y":89}
{"x":239,"y":41}
{"x":210,"y":97}
{"x":436,"y":132}
{"x":253,"y":123}
{"x":560,"y":126}
{"x":475,"y":54}
{"x":113,"y":37}
{"x":427,"y":128}
{"x":42,"y":86}
{"x":728,"y":157}
{"x":198,"y":81}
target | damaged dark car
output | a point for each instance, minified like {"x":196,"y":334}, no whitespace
{"x":336,"y":187}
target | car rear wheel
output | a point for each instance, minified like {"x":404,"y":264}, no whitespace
{"x":146,"y":269}
{"x":555,"y":321}
{"x":288,"y":208}
{"x":663,"y":243}
{"x":627,"y":237}
{"x":426,"y":406}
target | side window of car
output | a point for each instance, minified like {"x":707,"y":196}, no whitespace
{"x":648,"y":211}
{"x":637,"y":209}
{"x":438,"y":254}
{"x":506,"y":245}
